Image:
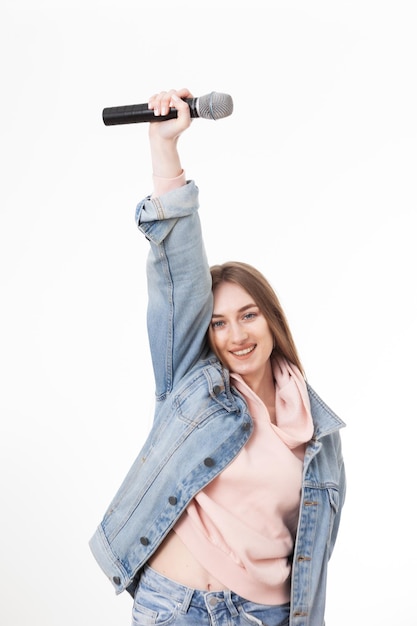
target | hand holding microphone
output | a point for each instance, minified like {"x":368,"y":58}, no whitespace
{"x":172,"y":108}
{"x":177,"y":108}
{"x":212,"y":106}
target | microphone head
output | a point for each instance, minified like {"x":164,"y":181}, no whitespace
{"x":214,"y":106}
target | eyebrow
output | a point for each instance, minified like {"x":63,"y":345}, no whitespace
{"x":241,"y":310}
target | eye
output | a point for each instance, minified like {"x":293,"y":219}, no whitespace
{"x":249,"y":316}
{"x":217,"y":324}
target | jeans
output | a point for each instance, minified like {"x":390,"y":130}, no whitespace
{"x":160,"y":601}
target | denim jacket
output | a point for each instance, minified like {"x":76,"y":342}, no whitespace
{"x":201,"y":422}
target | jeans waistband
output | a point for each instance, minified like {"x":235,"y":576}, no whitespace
{"x":188,"y":596}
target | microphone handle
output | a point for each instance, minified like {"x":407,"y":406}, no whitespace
{"x":135,"y":113}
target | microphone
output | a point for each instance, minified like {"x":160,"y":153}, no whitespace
{"x":213,"y":106}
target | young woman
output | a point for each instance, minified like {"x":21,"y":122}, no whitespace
{"x":230,"y":512}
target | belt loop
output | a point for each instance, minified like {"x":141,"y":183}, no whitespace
{"x":229,"y":603}
{"x":187,"y":600}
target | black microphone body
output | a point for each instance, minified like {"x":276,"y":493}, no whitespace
{"x":213,"y":106}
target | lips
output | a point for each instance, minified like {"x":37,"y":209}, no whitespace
{"x":244,"y":352}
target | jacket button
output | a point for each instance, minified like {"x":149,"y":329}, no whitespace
{"x":246,"y":426}
{"x":144,"y":541}
{"x":217,"y":390}
{"x":172,"y":500}
{"x":209,"y":462}
{"x":116,"y":580}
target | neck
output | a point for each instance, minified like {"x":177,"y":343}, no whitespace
{"x":264,"y":387}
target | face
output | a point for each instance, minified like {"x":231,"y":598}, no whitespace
{"x":240,"y":333}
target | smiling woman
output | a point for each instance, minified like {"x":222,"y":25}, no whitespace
{"x":231,"y":510}
{"x":258,"y":288}
{"x":240,"y":336}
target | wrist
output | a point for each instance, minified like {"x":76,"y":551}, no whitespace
{"x":165,"y":159}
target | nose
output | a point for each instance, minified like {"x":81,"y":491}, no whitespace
{"x":238,"y":333}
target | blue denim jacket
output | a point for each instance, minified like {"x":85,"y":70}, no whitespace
{"x":201,"y":422}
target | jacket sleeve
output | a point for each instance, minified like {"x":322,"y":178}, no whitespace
{"x":342,"y":495}
{"x":179,"y":283}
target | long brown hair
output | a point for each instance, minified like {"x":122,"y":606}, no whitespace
{"x":255,"y":283}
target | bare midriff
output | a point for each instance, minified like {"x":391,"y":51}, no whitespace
{"x":175,"y":561}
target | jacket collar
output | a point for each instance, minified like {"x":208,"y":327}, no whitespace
{"x":325,"y":420}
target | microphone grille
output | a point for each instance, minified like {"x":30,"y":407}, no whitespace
{"x":215,"y":105}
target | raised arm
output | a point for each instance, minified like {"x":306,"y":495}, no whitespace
{"x":179,"y":281}
{"x":163,"y":137}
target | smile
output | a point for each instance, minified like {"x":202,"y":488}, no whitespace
{"x":244,"y":352}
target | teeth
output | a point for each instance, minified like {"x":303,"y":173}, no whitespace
{"x":243,"y":352}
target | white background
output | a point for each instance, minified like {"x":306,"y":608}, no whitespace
{"x":312,"y":179}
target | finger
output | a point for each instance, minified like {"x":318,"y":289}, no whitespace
{"x":165,"y":101}
{"x":182,"y":107}
{"x":184,"y":93}
{"x":162,"y":101}
{"x":155,"y":102}
{"x":152,"y":100}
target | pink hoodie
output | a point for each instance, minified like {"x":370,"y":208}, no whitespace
{"x":242,"y":526}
